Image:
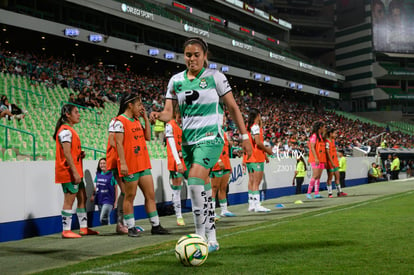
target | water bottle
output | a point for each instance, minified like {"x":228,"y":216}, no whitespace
{"x":262,"y":195}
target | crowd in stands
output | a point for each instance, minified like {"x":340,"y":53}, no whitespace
{"x":286,"y":122}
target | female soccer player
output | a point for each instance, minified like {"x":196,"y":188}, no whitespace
{"x":133,"y":161}
{"x":317,"y":157}
{"x":255,"y":165}
{"x":69,"y":171}
{"x":176,"y":164}
{"x":112,"y":165}
{"x":332,"y":163}
{"x":200,"y":92}
{"x":220,"y":178}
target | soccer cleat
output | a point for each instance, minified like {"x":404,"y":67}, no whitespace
{"x":67,"y":234}
{"x":121,"y":229}
{"x":133,"y":232}
{"x":251,"y":208}
{"x":227,"y":214}
{"x":260,"y":208}
{"x":318,"y":196}
{"x":213,"y":246}
{"x":180,"y":221}
{"x":87,"y":231}
{"x":159,"y":230}
{"x":330,"y":196}
{"x":342,"y":194}
{"x":309,"y":196}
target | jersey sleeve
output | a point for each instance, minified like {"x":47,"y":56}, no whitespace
{"x":313,"y":138}
{"x":118,"y":127}
{"x":222,"y":84}
{"x":65,"y":136}
{"x":255,"y":130}
{"x":169,"y":131}
{"x":170,"y":90}
{"x":111,"y":125}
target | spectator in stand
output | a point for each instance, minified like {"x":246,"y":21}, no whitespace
{"x":10,"y":110}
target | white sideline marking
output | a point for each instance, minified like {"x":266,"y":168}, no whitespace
{"x":101,"y":270}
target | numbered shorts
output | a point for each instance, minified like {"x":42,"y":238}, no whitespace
{"x":204,"y":154}
{"x":255,"y":166}
{"x":72,"y":188}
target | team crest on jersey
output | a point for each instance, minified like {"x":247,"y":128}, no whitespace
{"x":203,"y":83}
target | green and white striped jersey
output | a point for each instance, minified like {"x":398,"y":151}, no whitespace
{"x":200,"y":104}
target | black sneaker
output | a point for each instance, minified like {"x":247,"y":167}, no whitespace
{"x":159,"y":230}
{"x":133,"y":232}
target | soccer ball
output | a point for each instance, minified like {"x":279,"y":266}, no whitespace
{"x":191,"y":250}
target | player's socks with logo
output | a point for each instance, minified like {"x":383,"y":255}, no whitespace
{"x":251,"y":205}
{"x":66,"y":224}
{"x":176,"y":198}
{"x":317,"y":186}
{"x":199,"y":204}
{"x":83,"y":219}
{"x":211,"y":215}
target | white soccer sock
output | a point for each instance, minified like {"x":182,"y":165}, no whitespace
{"x":211,"y":215}
{"x":66,"y":219}
{"x":223,"y":205}
{"x":176,"y":198}
{"x":199,"y":204}
{"x":329,"y":188}
{"x":256,"y":200}
{"x":129,"y":220}
{"x":154,"y":218}
{"x":83,"y":219}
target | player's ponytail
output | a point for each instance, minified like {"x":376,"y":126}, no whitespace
{"x":252,"y":117}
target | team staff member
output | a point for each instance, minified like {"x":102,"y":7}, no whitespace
{"x":317,"y":157}
{"x":112,"y":165}
{"x":332,"y":163}
{"x":200,"y":93}
{"x":255,"y":165}
{"x":133,"y":161}
{"x":342,"y":168}
{"x":395,"y":167}
{"x":69,"y":171}
{"x":220,"y":175}
{"x":176,"y":164}
{"x":300,"y":174}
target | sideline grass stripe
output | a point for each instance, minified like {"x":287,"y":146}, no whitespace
{"x":104,"y":269}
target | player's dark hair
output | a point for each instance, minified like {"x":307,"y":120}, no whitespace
{"x":253,"y":113}
{"x":329,"y":131}
{"x":197,"y":40}
{"x":66,"y":109}
{"x":315,"y":129}
{"x":128,"y":98}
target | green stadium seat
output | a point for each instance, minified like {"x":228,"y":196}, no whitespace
{"x":9,"y":155}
